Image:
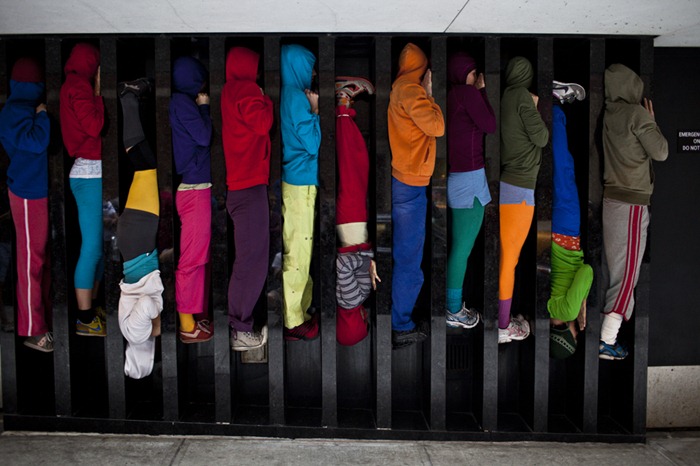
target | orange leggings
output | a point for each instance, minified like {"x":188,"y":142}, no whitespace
{"x":515,"y":225}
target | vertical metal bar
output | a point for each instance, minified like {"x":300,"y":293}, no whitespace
{"x":382,"y":333}
{"x":169,"y":324}
{"x":643,"y":290}
{"x":489,"y":404}
{"x":329,"y":402}
{"x":59,"y":283}
{"x":438,"y":334}
{"x":594,"y":253}
{"x":114,"y":351}
{"x":219,"y":265}
{"x":545,"y":72}
{"x":275,"y":344}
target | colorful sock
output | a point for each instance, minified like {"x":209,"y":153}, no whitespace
{"x":610,"y":328}
{"x":454,"y":300}
{"x":86,"y":315}
{"x":504,"y":312}
{"x":186,"y":322}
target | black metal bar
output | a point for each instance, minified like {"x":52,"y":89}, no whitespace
{"x":327,"y":168}
{"x":438,"y":336}
{"x":545,"y":71}
{"x":596,"y":97}
{"x":114,"y":346}
{"x":219,"y":265}
{"x":169,"y":323}
{"x":275,"y":321}
{"x":382,"y":333}
{"x":489,"y":395}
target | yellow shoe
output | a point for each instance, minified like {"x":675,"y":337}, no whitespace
{"x":96,"y":328}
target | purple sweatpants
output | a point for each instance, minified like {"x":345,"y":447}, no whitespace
{"x":192,"y":274}
{"x":250,"y":212}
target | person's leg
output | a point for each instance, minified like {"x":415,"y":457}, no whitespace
{"x":249,"y":211}
{"x":466,"y":224}
{"x":353,"y":168}
{"x":408,"y":212}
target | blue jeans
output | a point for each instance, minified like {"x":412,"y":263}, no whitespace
{"x":408,"y":210}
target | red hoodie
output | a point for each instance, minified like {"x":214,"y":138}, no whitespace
{"x":82,"y":112}
{"x":247,"y":118}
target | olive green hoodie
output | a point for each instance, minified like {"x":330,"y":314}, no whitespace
{"x":523,"y":133}
{"x":631,"y":139}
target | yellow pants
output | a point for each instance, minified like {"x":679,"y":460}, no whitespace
{"x":515,"y":225}
{"x":298,"y":206}
{"x":143,"y":193}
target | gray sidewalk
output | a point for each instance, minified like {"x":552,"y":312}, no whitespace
{"x":676,"y":448}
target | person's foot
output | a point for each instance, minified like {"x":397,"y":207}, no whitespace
{"x":518,"y":329}
{"x":404,"y":338}
{"x":347,"y":87}
{"x":614,"y":352}
{"x":306,"y":331}
{"x":567,"y":92}
{"x":139,"y":87}
{"x":464,"y":318}
{"x":202,"y":332}
{"x":96,"y":328}
{"x":43,"y":342}
{"x":244,"y":341}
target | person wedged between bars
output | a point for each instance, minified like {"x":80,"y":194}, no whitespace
{"x":141,"y":300}
{"x":356,"y":271}
{"x":191,"y":134}
{"x":25,"y":133}
{"x":631,"y":141}
{"x":82,"y":120}
{"x":469,"y":118}
{"x":301,"y":140}
{"x":415,"y":121}
{"x":247,"y":117}
{"x":523,"y":135}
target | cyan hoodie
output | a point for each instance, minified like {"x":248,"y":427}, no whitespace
{"x":190,"y":123}
{"x":25,"y":136}
{"x":300,"y":127}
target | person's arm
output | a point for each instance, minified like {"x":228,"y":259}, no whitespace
{"x":308,"y":127}
{"x":423,"y":110}
{"x":196,"y":121}
{"x":534,"y":125}
{"x":257,"y":113}
{"x":479,"y":109}
{"x":650,"y":136}
{"x":33,"y":134}
{"x":89,"y":109}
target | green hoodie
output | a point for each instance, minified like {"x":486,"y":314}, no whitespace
{"x":523,"y":133}
{"x":631,"y":139}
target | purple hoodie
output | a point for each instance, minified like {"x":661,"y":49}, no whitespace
{"x":469,"y":117}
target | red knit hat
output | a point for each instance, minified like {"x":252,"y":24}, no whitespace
{"x":351,"y":325}
{"x":27,"y":70}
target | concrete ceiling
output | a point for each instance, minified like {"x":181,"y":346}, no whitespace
{"x":674,"y":23}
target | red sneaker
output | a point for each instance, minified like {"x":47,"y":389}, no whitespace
{"x":202,"y":332}
{"x":306,"y":331}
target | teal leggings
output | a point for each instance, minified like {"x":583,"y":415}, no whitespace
{"x":466,"y":224}
{"x":88,"y":197}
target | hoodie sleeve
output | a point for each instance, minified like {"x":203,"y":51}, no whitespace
{"x":651,"y":138}
{"x":307,"y":126}
{"x":532,"y":120}
{"x":423,"y":110}
{"x":89,"y":109}
{"x":33,"y":134}
{"x":479,"y":109}
{"x":196,"y":121}
{"x":257,"y":113}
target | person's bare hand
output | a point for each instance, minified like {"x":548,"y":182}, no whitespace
{"x":373,"y":274}
{"x":649,"y":106}
{"x":40,"y":108}
{"x":535,"y":98}
{"x":202,"y":99}
{"x":97,"y":81}
{"x":480,"y":81}
{"x":313,"y":100}
{"x":581,"y":319}
{"x":427,"y":82}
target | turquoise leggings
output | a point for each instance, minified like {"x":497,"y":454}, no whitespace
{"x":466,"y":224}
{"x":88,"y":197}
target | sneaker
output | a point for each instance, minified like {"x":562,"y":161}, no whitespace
{"x":404,"y":338}
{"x":347,"y":87}
{"x":614,"y":352}
{"x":567,"y":92}
{"x":517,"y":330}
{"x":465,"y":318}
{"x":43,"y":343}
{"x":244,"y":341}
{"x":138,"y":87}
{"x":202,"y":332}
{"x":96,"y":328}
{"x":306,"y":331}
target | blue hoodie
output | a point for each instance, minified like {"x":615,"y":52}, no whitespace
{"x":25,"y":136}
{"x":301,"y":129}
{"x":190,"y":123}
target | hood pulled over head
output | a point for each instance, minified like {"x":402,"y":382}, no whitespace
{"x":459,"y":67}
{"x":297,"y":65}
{"x":189,"y":76}
{"x":519,"y":72}
{"x":412,"y":63}
{"x":83,"y":61}
{"x":622,"y":84}
{"x":241,"y":64}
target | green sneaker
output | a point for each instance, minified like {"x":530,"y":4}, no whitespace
{"x":96,"y":328}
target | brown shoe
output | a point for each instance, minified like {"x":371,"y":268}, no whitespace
{"x":43,"y":342}
{"x":202,"y":332}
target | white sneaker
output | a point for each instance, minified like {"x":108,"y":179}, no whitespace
{"x":244,"y":341}
{"x":517,"y":330}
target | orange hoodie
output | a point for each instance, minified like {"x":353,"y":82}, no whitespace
{"x":415,"y":120}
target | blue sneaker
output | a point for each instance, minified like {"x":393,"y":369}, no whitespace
{"x":614,"y":352}
{"x":464,"y":318}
